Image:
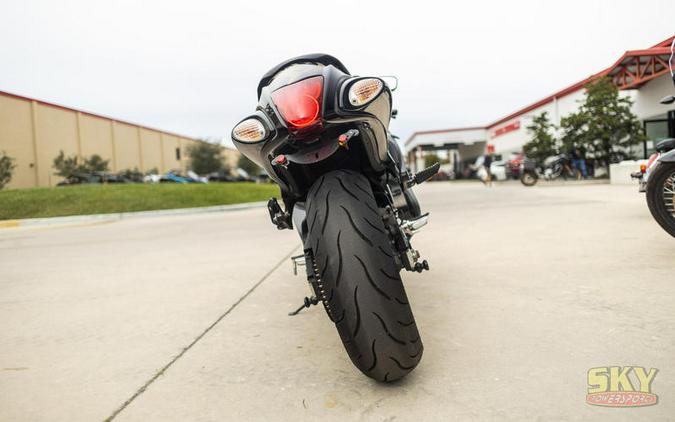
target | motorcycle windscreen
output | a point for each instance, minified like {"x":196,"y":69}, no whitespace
{"x":294,"y":73}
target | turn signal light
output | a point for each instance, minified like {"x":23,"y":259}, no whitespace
{"x":300,"y":103}
{"x":364,"y":91}
{"x":250,"y":130}
{"x":643,"y":168}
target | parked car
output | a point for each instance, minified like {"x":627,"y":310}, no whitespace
{"x":221,"y":176}
{"x":513,"y":166}
{"x":93,"y":178}
{"x":477,"y":170}
{"x":446,"y":172}
{"x":498,"y":170}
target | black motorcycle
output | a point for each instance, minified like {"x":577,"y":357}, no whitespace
{"x":554,"y":167}
{"x":322,"y":135}
{"x":658,"y":176}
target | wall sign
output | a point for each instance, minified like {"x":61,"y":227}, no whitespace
{"x":506,"y":129}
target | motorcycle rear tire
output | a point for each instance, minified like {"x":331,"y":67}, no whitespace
{"x":656,"y":200}
{"x":528,"y":179}
{"x":357,"y":278}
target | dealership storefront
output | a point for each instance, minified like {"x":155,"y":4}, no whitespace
{"x":642,"y":75}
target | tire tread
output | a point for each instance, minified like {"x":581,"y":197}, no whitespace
{"x":361,"y":283}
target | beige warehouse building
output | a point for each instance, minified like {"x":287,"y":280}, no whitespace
{"x":33,"y":132}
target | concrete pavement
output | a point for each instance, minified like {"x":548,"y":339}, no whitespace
{"x":184,"y":318}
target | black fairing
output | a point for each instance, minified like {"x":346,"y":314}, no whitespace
{"x":324,"y":59}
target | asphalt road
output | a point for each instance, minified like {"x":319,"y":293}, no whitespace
{"x":184,"y":318}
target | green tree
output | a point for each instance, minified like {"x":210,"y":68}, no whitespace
{"x":7,"y":166}
{"x":248,"y":166}
{"x":95,"y":164}
{"x":205,"y":157}
{"x":69,"y":166}
{"x":604,"y":125}
{"x":542,"y":144}
{"x":431,"y":159}
{"x":132,"y":175}
{"x":66,"y":166}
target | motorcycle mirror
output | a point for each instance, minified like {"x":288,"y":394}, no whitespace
{"x":670,"y":60}
{"x":394,"y":113}
{"x":391,"y":81}
{"x":668,"y":100}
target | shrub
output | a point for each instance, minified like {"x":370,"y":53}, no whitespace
{"x":205,"y":157}
{"x":69,"y":166}
{"x":248,"y":166}
{"x":7,"y":166}
{"x":132,"y":175}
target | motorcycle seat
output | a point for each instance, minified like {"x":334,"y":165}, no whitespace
{"x":665,"y":145}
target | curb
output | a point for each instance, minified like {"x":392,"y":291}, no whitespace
{"x":97,"y":218}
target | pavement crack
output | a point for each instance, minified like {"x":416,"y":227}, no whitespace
{"x":161,"y":371}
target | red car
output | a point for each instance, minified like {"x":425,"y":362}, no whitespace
{"x":513,"y":166}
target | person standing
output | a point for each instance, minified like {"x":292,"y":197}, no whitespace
{"x":487,"y":163}
{"x":578,"y":162}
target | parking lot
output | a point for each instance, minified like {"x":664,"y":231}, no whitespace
{"x":185,"y":317}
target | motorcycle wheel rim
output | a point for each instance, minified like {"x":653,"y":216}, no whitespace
{"x":669,"y":194}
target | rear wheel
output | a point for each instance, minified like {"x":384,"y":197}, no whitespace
{"x":528,"y":179}
{"x":357,"y":278}
{"x":660,"y":195}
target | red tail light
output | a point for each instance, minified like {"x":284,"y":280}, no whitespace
{"x":300,"y":103}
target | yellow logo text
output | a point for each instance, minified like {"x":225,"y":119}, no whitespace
{"x":621,"y":386}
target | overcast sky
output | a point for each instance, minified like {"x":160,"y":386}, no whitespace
{"x":193,"y":66}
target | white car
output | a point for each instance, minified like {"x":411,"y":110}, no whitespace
{"x":497,"y":169}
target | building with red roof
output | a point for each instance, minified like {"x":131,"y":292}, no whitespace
{"x":644,"y":75}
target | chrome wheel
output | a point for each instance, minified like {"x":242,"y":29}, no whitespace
{"x":669,"y":193}
{"x":660,"y":196}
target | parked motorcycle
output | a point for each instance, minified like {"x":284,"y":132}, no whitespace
{"x":554,"y":167}
{"x":322,"y":135}
{"x":657,"y":178}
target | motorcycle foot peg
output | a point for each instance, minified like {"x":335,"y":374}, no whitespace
{"x":279,"y":218}
{"x":426,"y":174}
{"x":421,"y":266}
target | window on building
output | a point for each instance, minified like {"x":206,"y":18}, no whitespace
{"x":177,"y":154}
{"x":656,"y":130}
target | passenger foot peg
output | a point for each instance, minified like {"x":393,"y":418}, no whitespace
{"x":422,"y":266}
{"x":279,"y":218}
{"x":427,"y":173}
{"x":309,"y":301}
